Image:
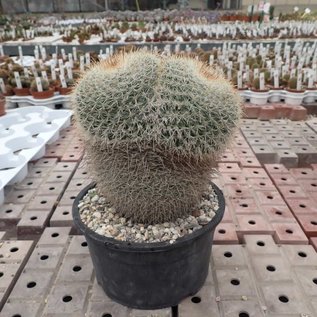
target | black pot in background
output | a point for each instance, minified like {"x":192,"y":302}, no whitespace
{"x":150,"y":275}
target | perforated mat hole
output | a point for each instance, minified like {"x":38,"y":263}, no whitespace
{"x":55,"y":234}
{"x":269,"y":197}
{"x":302,"y":254}
{"x":84,"y":244}
{"x":67,"y":298}
{"x":8,"y":211}
{"x":196,"y":299}
{"x":1,"y":274}
{"x":289,"y":231}
{"x":228,"y":254}
{"x":271,"y":268}
{"x":315,"y":281}
{"x":77,"y":268}
{"x":222,"y":231}
{"x":260,"y":243}
{"x":314,"y":223}
{"x":252,"y":222}
{"x":44,"y":257}
{"x":283,"y":299}
{"x":106,"y":315}
{"x":235,"y":282}
{"x":65,"y":213}
{"x":33,"y":218}
{"x":15,"y":249}
{"x":244,"y":314}
{"x":278,"y":212}
{"x":31,"y":284}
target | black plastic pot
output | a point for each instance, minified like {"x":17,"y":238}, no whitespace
{"x":151,"y":275}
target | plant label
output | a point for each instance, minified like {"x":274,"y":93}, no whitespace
{"x":82,"y":62}
{"x":1,"y":50}
{"x":44,"y":74}
{"x":2,"y":86}
{"x":17,"y":80}
{"x":211,"y":59}
{"x":247,"y":73}
{"x":262,"y":81}
{"x":26,"y":72}
{"x":70,"y":59}
{"x":269,"y":64}
{"x":256,"y":73}
{"x":60,"y":63}
{"x":34,"y":71}
{"x":20,"y":54}
{"x":43,"y":53}
{"x":63,"y":54}
{"x":54,"y":56}
{"x":311,"y":80}
{"x":69,"y":71}
{"x":239,"y":79}
{"x":53,"y":72}
{"x":39,"y":84}
{"x":229,"y":73}
{"x":75,"y":53}
{"x":63,"y":81}
{"x":299,"y":81}
{"x":276,"y":79}
{"x":87,"y":56}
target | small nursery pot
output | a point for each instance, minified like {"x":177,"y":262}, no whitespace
{"x":65,"y":91}
{"x":21,"y":91}
{"x":43,"y":94}
{"x":150,"y":275}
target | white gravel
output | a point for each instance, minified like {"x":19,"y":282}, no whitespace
{"x":101,"y":217}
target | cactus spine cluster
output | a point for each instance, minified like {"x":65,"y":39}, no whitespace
{"x":154,"y":127}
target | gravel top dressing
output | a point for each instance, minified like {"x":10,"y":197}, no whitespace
{"x":98,"y":215}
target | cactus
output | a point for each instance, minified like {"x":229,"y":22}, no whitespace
{"x":4,"y":74}
{"x":154,"y":127}
{"x":267,"y":76}
{"x":45,"y":85}
{"x":255,"y":66}
{"x":25,"y":82}
{"x":292,"y":83}
{"x":256,"y":83}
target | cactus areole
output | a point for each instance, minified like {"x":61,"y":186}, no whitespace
{"x":154,"y":127}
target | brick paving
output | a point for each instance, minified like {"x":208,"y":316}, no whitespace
{"x":265,"y":249}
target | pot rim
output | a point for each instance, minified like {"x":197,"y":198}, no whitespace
{"x":142,"y":246}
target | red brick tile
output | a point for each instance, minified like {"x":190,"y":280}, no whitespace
{"x":245,"y":152}
{"x":253,"y":224}
{"x":308,"y":224}
{"x":261,"y":184}
{"x":308,"y":185}
{"x":227,"y":217}
{"x":251,"y":111}
{"x":72,"y":156}
{"x":267,"y":113}
{"x":254,"y":173}
{"x":249,"y":162}
{"x":303,"y":173}
{"x":298,"y":113}
{"x":225,"y":233}
{"x":302,"y":206}
{"x":244,"y":206}
{"x":233,"y":178}
{"x":283,"y":179}
{"x":290,"y":233}
{"x":278,"y":213}
{"x":228,"y":157}
{"x":292,"y":192}
{"x":282,"y":110}
{"x":275,"y":169}
{"x":269,"y":197}
{"x":238,"y":191}
{"x":229,"y":168}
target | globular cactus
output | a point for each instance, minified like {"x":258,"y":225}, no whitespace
{"x":154,"y":127}
{"x":292,"y":83}
{"x":256,"y":83}
{"x":45,"y":85}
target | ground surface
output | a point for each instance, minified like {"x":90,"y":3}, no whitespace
{"x":264,"y":261}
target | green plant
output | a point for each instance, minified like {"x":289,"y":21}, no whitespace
{"x":4,"y":74}
{"x":267,"y":76}
{"x":154,"y":127}
{"x":44,"y":82}
{"x":255,"y":66}
{"x":25,"y":82}
{"x":256,"y":83}
{"x":292,"y":83}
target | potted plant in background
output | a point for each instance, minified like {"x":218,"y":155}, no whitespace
{"x":26,"y":84}
{"x":67,"y":90}
{"x":2,"y":105}
{"x":258,"y":96}
{"x":47,"y":91}
{"x":294,"y":94}
{"x":152,"y":141}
